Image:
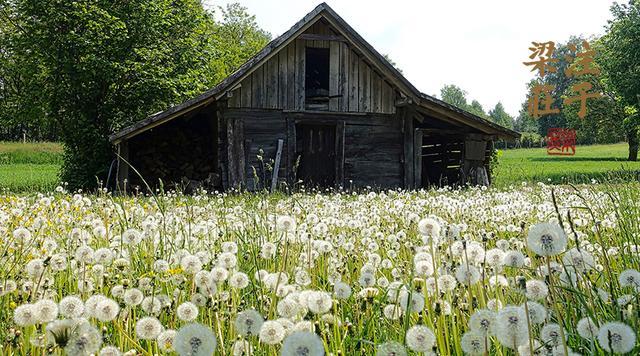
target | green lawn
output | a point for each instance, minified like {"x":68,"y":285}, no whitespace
{"x":35,"y":166}
{"x":32,"y":166}
{"x":589,"y":162}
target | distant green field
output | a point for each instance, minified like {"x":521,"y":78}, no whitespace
{"x":590,"y":162}
{"x":35,"y":166}
{"x":32,"y":166}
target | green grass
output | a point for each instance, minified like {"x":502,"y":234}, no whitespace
{"x":590,"y":162}
{"x":32,"y":166}
{"x":35,"y":166}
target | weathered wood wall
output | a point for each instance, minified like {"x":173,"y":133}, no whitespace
{"x":262,"y":130}
{"x":370,"y":153}
{"x":279,"y":83}
{"x":373,"y":153}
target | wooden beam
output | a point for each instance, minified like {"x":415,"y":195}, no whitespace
{"x":317,"y":37}
{"x":122,"y":169}
{"x":340,"y":130}
{"x":291,"y":151}
{"x":409,"y":156}
{"x":403,"y":102}
{"x":276,"y":166}
{"x":418,"y":159}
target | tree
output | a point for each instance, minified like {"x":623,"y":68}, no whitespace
{"x":237,"y":38}
{"x":622,"y":67}
{"x":108,"y":64}
{"x":500,"y":116}
{"x":392,"y":62}
{"x":455,"y":96}
{"x":21,"y":109}
{"x":476,"y":108}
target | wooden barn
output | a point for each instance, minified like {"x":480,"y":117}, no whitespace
{"x":318,"y":105}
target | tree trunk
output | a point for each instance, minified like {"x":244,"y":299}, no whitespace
{"x":632,"y":135}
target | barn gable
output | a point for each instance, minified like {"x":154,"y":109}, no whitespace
{"x":319,"y":87}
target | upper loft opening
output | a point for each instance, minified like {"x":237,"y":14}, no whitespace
{"x":316,"y":78}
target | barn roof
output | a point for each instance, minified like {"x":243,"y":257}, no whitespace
{"x":325,"y":11}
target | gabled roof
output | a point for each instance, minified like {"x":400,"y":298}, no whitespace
{"x":377,"y":60}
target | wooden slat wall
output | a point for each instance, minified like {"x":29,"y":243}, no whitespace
{"x":373,"y":154}
{"x":279,"y":83}
{"x":262,"y":129}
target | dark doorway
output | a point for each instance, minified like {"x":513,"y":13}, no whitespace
{"x":316,"y":79}
{"x":316,"y":147}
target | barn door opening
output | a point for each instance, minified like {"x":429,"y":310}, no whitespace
{"x":316,"y":147}
{"x":440,"y":158}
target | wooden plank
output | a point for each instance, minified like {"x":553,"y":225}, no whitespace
{"x":291,"y":150}
{"x":417,"y":170}
{"x":271,"y":79}
{"x":222,"y":145}
{"x":321,"y":37}
{"x":364,"y":87}
{"x":408,"y":152}
{"x":353,"y":81}
{"x":234,"y":100}
{"x":291,"y":77}
{"x":122,"y":169}
{"x":276,"y":166}
{"x":257,"y":86}
{"x":232,"y":163}
{"x":340,"y":134}
{"x":376,"y":93}
{"x":344,"y":78}
{"x":246,"y":93}
{"x":283,"y":57}
{"x":241,"y":156}
{"x":300,"y":70}
{"x":334,"y":75}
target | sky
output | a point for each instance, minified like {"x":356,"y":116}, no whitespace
{"x":478,"y":45}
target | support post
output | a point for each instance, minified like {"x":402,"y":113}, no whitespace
{"x":409,"y":156}
{"x":276,"y":167}
{"x":122,"y":168}
{"x":417,"y":170}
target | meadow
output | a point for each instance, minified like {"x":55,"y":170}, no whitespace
{"x":35,"y":166}
{"x":532,"y":270}
{"x":522,"y":268}
{"x":589,"y":163}
{"x":32,"y":166}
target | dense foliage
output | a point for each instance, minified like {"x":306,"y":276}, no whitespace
{"x":100,"y":65}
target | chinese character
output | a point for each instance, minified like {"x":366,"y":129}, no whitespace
{"x":583,"y":63}
{"x":561,"y":142}
{"x":582,"y":90}
{"x":542,"y":95}
{"x":542,"y":65}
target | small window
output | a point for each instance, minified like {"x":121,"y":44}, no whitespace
{"x":316,"y":82}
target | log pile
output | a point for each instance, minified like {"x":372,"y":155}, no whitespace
{"x":180,"y":155}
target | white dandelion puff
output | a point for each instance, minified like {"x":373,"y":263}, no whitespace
{"x":587,"y":329}
{"x":391,"y":348}
{"x":248,"y":322}
{"x":195,"y":340}
{"x":187,"y":311}
{"x":546,"y":239}
{"x":616,"y":337}
{"x":148,"y":328}
{"x":302,"y":343}
{"x":420,"y":338}
{"x":272,"y":332}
